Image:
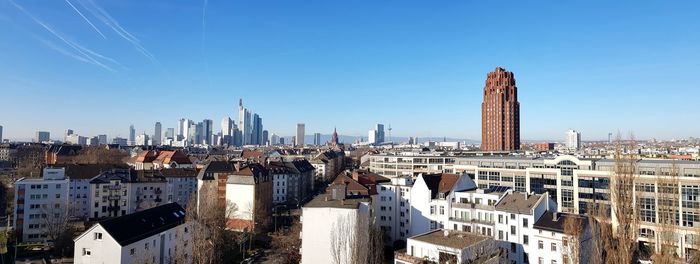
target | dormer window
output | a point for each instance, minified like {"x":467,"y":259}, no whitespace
{"x":98,"y":236}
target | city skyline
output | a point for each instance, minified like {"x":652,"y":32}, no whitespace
{"x":571,"y":74}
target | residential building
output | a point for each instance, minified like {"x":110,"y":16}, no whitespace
{"x":39,"y":203}
{"x":292,"y":181}
{"x":550,"y":232}
{"x":431,"y":199}
{"x":336,"y":216}
{"x":448,"y":246}
{"x":249,"y":189}
{"x":43,"y":136}
{"x":573,"y":140}
{"x":120,"y":141}
{"x":120,"y":192}
{"x":300,"y":135}
{"x":515,"y":215}
{"x":328,"y":164}
{"x":61,"y":154}
{"x":66,"y":134}
{"x":102,"y":139}
{"x":395,"y":194}
{"x":500,"y":112}
{"x":181,"y":184}
{"x":160,"y":159}
{"x":156,"y":235}
{"x":544,"y":146}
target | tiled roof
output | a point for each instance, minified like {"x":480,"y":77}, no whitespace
{"x":549,"y":223}
{"x":440,"y":183}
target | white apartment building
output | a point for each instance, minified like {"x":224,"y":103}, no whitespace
{"x":551,"y":242}
{"x":328,"y":219}
{"x":39,"y":202}
{"x":475,"y":210}
{"x":156,"y":235}
{"x":120,"y":192}
{"x":516,"y":214}
{"x":448,"y":246}
{"x":573,"y":140}
{"x":394,"y":197}
{"x":431,"y":200}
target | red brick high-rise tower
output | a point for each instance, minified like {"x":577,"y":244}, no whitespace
{"x":500,"y":112}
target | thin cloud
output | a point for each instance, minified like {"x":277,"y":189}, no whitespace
{"x":86,"y":19}
{"x":112,"y":23}
{"x":85,"y":54}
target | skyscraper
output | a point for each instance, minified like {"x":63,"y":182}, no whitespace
{"x":183,"y":127}
{"x":0,"y":134}
{"x":68,"y":133}
{"x":42,"y":136}
{"x":226,"y":130}
{"x":274,"y":139}
{"x":300,"y":135}
{"x":372,"y":137}
{"x":265,"y":138}
{"x":317,"y":139}
{"x":157,"y":134}
{"x":244,"y":124}
{"x":573,"y":140}
{"x":500,"y":112}
{"x":170,"y":133}
{"x":207,"y":131}
{"x":132,"y":135}
{"x":256,"y":133}
{"x":380,"y":133}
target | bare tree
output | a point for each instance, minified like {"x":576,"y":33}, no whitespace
{"x":573,"y":230}
{"x":57,"y":226}
{"x":667,"y":231}
{"x":596,"y":221}
{"x":206,"y":221}
{"x":355,"y":240}
{"x":485,"y":252}
{"x":100,"y":155}
{"x":620,"y":241}
{"x":286,"y":242}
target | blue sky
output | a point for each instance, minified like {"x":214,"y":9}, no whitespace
{"x":594,"y":66}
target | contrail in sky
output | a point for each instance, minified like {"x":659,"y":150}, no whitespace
{"x":86,"y":19}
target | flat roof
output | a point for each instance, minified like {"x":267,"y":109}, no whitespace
{"x":324,"y":201}
{"x":453,"y":239}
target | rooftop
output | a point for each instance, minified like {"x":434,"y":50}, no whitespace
{"x":325,"y":201}
{"x":453,"y":239}
{"x":131,"y":228}
{"x":556,"y":224}
{"x":518,"y":203}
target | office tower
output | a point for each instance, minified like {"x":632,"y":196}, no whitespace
{"x":68,"y":133}
{"x":170,"y":133}
{"x":573,"y":140}
{"x":300,"y":135}
{"x":102,"y":139}
{"x":207,"y":131}
{"x":119,"y":141}
{"x":256,"y":133}
{"x":93,"y":141}
{"x":379,"y":134}
{"x":157,"y":134}
{"x":265,"y":138}
{"x":317,"y":139}
{"x":42,"y":136}
{"x":281,"y":141}
{"x":294,"y":141}
{"x":0,"y":134}
{"x":274,"y":139}
{"x":183,"y":127}
{"x":334,"y":138}
{"x":500,"y":112}
{"x":226,"y":131}
{"x":142,"y":140}
{"x":372,"y":137}
{"x":244,"y":124}
{"x":132,"y":135}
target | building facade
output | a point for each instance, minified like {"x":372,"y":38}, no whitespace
{"x":500,"y":112}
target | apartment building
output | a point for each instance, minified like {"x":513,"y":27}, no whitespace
{"x":292,"y":181}
{"x":156,"y":235}
{"x":40,"y":202}
{"x":181,"y":184}
{"x":120,"y":192}
{"x":448,"y":246}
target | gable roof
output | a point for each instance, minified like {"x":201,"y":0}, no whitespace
{"x":131,"y":228}
{"x":440,"y":183}
{"x":169,"y":156}
{"x":352,"y":186}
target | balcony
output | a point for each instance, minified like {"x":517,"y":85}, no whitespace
{"x":474,"y":206}
{"x":472,"y":221}
{"x":401,"y":255}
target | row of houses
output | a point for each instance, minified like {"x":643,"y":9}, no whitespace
{"x":439,"y":211}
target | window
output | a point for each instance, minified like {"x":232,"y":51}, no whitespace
{"x":540,"y":244}
{"x":132,"y":251}
{"x":526,"y":240}
{"x":442,"y":210}
{"x":512,"y":230}
{"x":432,"y":209}
{"x":525,"y":222}
{"x":500,"y":234}
{"x":554,"y":247}
{"x":500,"y":219}
{"x":512,"y":216}
{"x":540,"y":261}
{"x":86,"y":252}
{"x":98,"y":236}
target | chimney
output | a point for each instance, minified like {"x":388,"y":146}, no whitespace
{"x":555,"y":216}
{"x":237,"y":165}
